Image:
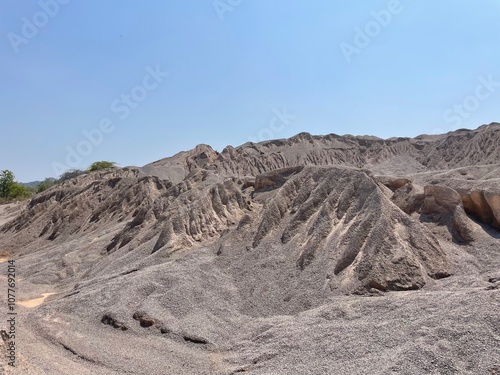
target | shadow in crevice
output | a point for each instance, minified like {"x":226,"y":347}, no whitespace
{"x":446,"y":220}
{"x":488,"y":229}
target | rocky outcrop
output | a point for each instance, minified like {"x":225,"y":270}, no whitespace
{"x":438,"y":204}
{"x":480,"y":198}
{"x":444,"y":205}
{"x":393,"y":183}
{"x":483,"y":204}
{"x":440,"y":200}
{"x":409,"y":197}
{"x":462,"y":225}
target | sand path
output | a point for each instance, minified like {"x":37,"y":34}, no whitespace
{"x":31,"y":303}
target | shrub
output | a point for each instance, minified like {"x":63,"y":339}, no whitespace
{"x":72,"y":173}
{"x":19,"y":191}
{"x":47,"y":183}
{"x":98,"y":165}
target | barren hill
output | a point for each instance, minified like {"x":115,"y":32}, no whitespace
{"x":426,"y":152}
{"x":262,"y":259}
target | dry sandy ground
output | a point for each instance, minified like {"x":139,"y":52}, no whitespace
{"x":34,"y":302}
{"x":449,"y":327}
{"x":453,"y":332}
{"x":9,"y":211}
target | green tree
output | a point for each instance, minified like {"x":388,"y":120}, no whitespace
{"x":98,"y":165}
{"x":10,"y":189}
{"x":6,"y":183}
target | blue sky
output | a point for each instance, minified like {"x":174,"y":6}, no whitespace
{"x":237,"y":71}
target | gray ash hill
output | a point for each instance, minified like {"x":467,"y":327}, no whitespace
{"x":260,"y":230}
{"x":340,"y":201}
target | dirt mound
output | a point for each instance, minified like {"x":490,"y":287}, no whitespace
{"x":367,"y":240}
{"x":364,"y":238}
{"x":84,"y":204}
{"x":260,"y":257}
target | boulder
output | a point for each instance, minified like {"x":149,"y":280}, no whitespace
{"x":440,"y":199}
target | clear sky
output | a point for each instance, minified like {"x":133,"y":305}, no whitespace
{"x":146,"y":79}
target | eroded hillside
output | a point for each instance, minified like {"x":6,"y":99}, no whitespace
{"x":218,"y":263}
